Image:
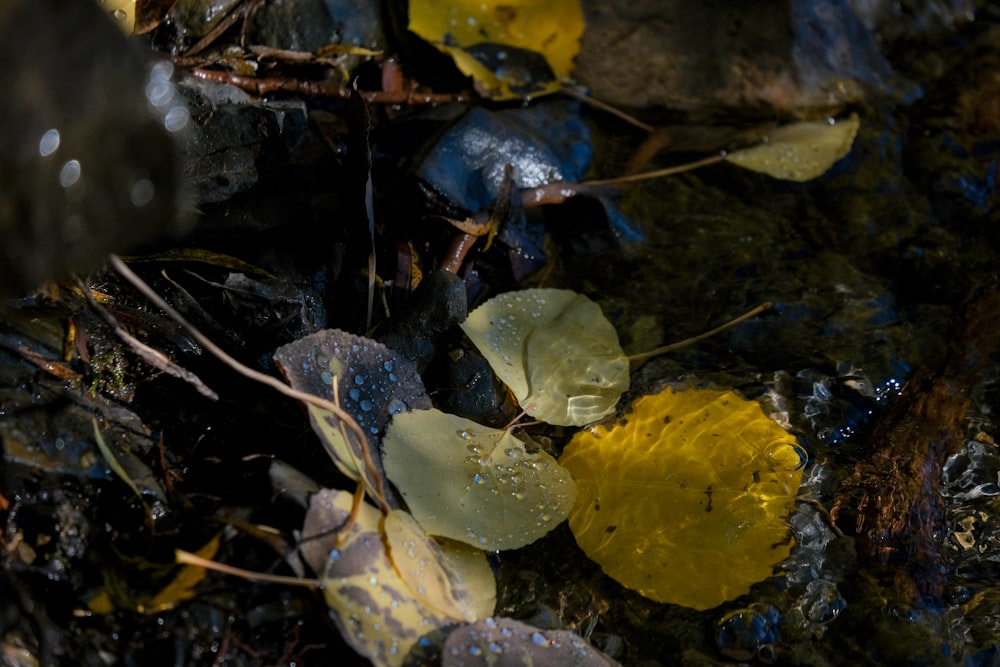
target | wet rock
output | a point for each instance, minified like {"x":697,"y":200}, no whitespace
{"x":750,"y":633}
{"x":721,"y":54}
{"x":438,"y":304}
{"x":307,"y":25}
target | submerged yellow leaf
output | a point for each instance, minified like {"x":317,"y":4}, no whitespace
{"x":800,"y":151}
{"x":555,"y":350}
{"x":473,"y":483}
{"x":512,"y":48}
{"x":686,"y":500}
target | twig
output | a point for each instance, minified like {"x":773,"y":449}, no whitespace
{"x":642,"y":356}
{"x":150,"y":355}
{"x":326,"y":90}
{"x":607,"y":108}
{"x":188,"y":558}
{"x":243,"y":370}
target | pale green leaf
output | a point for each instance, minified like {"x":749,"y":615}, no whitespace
{"x":472,"y":483}
{"x":555,"y":350}
{"x":800,"y":151}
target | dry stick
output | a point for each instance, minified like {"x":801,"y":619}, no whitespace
{"x":668,"y":171}
{"x":247,"y":372}
{"x":642,"y":356}
{"x":188,"y":558}
{"x":607,"y":108}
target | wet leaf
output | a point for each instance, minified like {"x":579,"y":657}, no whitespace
{"x":511,"y":49}
{"x":504,"y":642}
{"x":800,"y":151}
{"x":122,"y":12}
{"x":373,"y":383}
{"x":442,"y":577}
{"x":686,"y":500}
{"x":472,"y":483}
{"x":117,"y":593}
{"x":555,"y":350}
{"x":374,"y":608}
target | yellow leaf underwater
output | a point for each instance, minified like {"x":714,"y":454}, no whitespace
{"x":555,"y":350}
{"x":686,"y":499}
{"x":512,"y":49}
{"x":800,"y":151}
{"x":472,"y":483}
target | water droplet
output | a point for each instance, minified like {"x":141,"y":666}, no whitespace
{"x":387,"y":365}
{"x":538,"y":639}
{"x":479,"y":478}
{"x":354,"y":393}
{"x":366,"y":406}
{"x":396,"y":406}
{"x":475,"y":650}
{"x":358,"y":379}
{"x":49,"y":143}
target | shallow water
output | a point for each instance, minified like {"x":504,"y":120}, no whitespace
{"x":865,"y":267}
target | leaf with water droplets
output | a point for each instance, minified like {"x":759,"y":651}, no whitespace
{"x":371,"y":603}
{"x":451,"y":577}
{"x":800,"y":151}
{"x":555,"y":350}
{"x":686,"y":500}
{"x":505,"y":642}
{"x":473,"y":483}
{"x":373,"y":383}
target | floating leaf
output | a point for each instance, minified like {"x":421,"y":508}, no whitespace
{"x":472,"y":483}
{"x":800,"y":151}
{"x":372,"y":605}
{"x":686,"y":500}
{"x":555,"y":350}
{"x":373,"y":383}
{"x":512,"y":49}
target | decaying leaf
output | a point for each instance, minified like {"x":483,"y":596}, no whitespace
{"x":440,"y":576}
{"x":555,"y":350}
{"x":800,"y":151}
{"x":118,"y":594}
{"x":373,"y":383}
{"x":472,"y":483}
{"x":504,"y":642}
{"x":512,"y":49}
{"x":686,"y":500}
{"x":373,"y":606}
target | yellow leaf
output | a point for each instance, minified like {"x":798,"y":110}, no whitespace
{"x":686,"y":500}
{"x":383,"y":599}
{"x":800,"y":151}
{"x":476,"y":33}
{"x":182,"y":586}
{"x":121,"y":12}
{"x":439,"y":575}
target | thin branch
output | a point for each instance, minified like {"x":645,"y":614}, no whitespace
{"x":150,"y":355}
{"x":241,"y":369}
{"x":188,"y":558}
{"x":642,"y":356}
